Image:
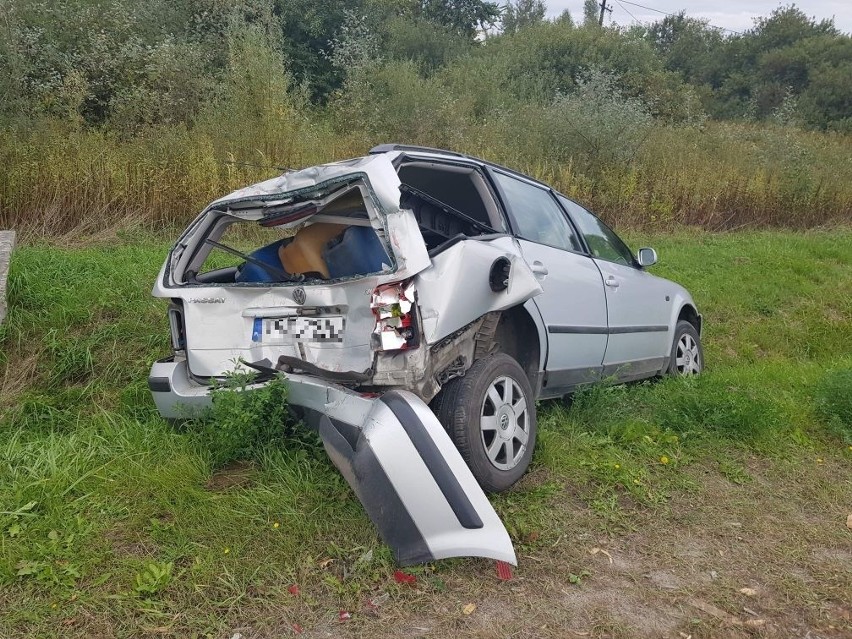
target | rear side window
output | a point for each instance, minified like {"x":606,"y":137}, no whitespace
{"x":603,"y":243}
{"x":536,"y":215}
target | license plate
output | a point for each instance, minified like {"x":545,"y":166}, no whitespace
{"x":288,"y":329}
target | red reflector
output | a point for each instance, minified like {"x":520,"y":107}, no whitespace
{"x":404,"y":578}
{"x":504,"y":571}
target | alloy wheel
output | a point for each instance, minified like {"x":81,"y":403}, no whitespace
{"x":504,"y":423}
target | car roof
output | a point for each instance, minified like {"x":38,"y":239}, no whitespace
{"x":429,"y":151}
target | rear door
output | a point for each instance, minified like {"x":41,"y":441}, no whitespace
{"x":573,"y":304}
{"x":639,"y":305}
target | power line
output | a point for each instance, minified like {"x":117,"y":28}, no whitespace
{"x":628,"y":12}
{"x":666,"y":13}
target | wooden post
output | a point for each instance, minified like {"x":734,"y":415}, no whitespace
{"x":7,"y":243}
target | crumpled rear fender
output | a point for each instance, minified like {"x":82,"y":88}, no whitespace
{"x":455,"y":289}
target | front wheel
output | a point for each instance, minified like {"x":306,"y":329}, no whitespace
{"x":490,"y":416}
{"x":687,"y":356}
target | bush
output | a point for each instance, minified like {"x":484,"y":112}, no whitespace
{"x":595,"y":125}
{"x":242,"y":424}
{"x":393,"y":101}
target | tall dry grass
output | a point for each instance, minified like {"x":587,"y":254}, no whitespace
{"x":64,"y":181}
{"x":718,"y":176}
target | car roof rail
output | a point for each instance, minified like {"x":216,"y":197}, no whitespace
{"x":384,"y":148}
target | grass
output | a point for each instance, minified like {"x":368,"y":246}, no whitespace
{"x":114,"y":523}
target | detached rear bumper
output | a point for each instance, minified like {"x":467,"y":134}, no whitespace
{"x":178,"y":396}
{"x":393,"y":452}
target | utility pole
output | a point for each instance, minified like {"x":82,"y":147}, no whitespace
{"x":603,"y":8}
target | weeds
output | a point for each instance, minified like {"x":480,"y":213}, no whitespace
{"x":154,"y":578}
{"x":240,"y":425}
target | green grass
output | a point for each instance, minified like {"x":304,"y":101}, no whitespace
{"x":108,"y":525}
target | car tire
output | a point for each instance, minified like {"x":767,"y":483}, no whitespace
{"x":687,"y":355}
{"x":489,"y":414}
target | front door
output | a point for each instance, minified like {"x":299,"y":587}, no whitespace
{"x":638,"y":304}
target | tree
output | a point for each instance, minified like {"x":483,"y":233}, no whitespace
{"x":590,"y":13}
{"x":519,"y":14}
{"x":786,"y":26}
{"x":565,"y":18}
{"x":789,"y":54}
{"x":464,"y":17}
{"x":308,"y":27}
{"x":689,"y":46}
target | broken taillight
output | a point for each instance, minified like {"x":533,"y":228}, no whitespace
{"x":176,"y":325}
{"x":396,"y":317}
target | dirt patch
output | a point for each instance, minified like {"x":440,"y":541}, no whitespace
{"x":727,"y":561}
{"x":724,"y":561}
{"x":126,"y":543}
{"x":235,"y":474}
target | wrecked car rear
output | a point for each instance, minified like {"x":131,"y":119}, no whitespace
{"x":418,"y":303}
{"x":350,"y":283}
{"x":361,"y":291}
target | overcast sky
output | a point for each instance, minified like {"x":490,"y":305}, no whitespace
{"x":738,"y":15}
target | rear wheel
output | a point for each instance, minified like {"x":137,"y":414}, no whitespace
{"x":490,"y":416}
{"x":687,"y":356}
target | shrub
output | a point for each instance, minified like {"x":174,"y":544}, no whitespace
{"x":241,"y":424}
{"x":595,"y":125}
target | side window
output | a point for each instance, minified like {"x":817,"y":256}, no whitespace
{"x":536,"y":215}
{"x":603,"y":242}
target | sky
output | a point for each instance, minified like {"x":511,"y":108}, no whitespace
{"x":737,"y":15}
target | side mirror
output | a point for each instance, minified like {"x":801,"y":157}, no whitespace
{"x":646,"y":257}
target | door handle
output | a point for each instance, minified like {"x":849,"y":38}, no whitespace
{"x":611,"y":282}
{"x":539,"y":269}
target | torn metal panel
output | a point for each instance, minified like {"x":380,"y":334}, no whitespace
{"x":406,"y":242}
{"x":394,"y":453}
{"x":456,"y":290}
{"x":424,"y":370}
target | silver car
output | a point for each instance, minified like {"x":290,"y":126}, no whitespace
{"x":418,"y":303}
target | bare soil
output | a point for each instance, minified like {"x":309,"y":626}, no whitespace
{"x":770,"y":558}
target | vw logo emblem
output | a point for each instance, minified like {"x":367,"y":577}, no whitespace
{"x":299,"y":296}
{"x":504,"y":421}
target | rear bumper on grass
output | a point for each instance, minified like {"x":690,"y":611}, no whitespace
{"x":178,"y":396}
{"x":394,"y":453}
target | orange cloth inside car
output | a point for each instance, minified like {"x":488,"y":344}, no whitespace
{"x":304,"y":253}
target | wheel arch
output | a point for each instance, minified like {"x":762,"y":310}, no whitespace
{"x":689,"y":313}
{"x":521,"y":337}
